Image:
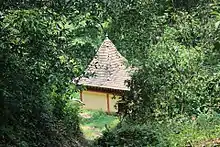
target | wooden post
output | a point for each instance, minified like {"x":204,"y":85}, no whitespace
{"x":108,"y":105}
{"x":81,"y":98}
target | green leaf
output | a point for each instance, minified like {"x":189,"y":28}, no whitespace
{"x":217,"y":24}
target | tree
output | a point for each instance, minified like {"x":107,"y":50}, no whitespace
{"x":42,"y":49}
{"x":172,"y":45}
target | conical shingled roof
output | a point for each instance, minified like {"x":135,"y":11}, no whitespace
{"x":107,"y":69}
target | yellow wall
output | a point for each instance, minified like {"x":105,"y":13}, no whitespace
{"x":94,"y":100}
{"x":98,"y":101}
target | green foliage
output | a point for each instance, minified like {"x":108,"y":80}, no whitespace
{"x":137,"y":135}
{"x":204,"y":128}
{"x":94,"y":122}
{"x":39,"y":57}
{"x":43,"y":45}
{"x":178,"y":64}
{"x":175,"y":48}
{"x":98,"y":119}
{"x":179,"y":132}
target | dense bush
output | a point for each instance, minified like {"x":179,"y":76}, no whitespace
{"x":131,"y":134}
{"x":39,"y":58}
{"x":194,"y":131}
{"x":176,"y":132}
{"x":175,"y":48}
{"x":175,"y":52}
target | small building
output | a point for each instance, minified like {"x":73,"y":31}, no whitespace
{"x":106,"y":80}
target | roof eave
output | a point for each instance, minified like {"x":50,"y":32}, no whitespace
{"x":107,"y":87}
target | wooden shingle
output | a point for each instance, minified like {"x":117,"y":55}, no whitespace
{"x":107,"y":69}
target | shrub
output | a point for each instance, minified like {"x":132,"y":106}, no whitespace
{"x":182,"y":131}
{"x":129,"y":134}
{"x":192,"y":131}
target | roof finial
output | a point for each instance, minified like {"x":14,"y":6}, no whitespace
{"x":106,"y":36}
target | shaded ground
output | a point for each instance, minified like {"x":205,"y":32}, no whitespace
{"x":94,"y":122}
{"x":209,"y":143}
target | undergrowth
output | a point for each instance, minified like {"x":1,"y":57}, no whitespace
{"x":93,"y":123}
{"x":175,"y":133}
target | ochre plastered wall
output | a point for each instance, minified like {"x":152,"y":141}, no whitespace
{"x":99,"y":101}
{"x":94,"y":100}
